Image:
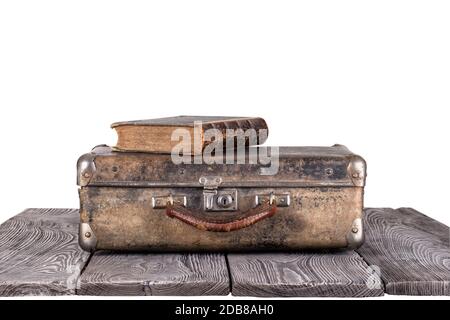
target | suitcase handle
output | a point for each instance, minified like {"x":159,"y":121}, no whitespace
{"x":264,"y":210}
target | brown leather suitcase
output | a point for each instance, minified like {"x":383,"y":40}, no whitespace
{"x":143,"y":201}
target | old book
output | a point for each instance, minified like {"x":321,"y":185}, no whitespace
{"x":189,"y":133}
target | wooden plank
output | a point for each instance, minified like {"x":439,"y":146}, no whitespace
{"x":39,"y":253}
{"x":409,"y":217}
{"x":411,"y":251}
{"x":138,"y":274}
{"x":337,"y":274}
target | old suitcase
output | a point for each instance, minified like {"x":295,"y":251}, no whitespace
{"x":141,"y":201}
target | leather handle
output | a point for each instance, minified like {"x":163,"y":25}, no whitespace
{"x":260,"y":212}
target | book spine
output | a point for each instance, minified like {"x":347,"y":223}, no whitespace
{"x":239,"y":126}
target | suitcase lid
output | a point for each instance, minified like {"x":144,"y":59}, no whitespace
{"x":334,"y":166}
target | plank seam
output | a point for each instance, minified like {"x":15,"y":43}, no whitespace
{"x":383,"y":283}
{"x":146,"y":288}
{"x":77,"y":288}
{"x":230,"y":280}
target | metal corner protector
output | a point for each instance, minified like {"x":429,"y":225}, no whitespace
{"x":86,"y":237}
{"x":85,"y":169}
{"x":357,"y":168}
{"x":355,"y":237}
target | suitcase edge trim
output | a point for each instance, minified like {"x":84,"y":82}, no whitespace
{"x":86,"y":169}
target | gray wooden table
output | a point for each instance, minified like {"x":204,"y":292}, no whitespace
{"x":405,"y":253}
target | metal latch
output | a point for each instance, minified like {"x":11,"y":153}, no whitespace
{"x":281,"y":199}
{"x":160,"y":202}
{"x":215,"y":199}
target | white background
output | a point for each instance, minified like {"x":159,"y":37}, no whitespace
{"x":374,"y":76}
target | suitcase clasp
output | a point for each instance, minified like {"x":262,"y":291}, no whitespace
{"x":160,"y":202}
{"x":217,"y":200}
{"x":281,"y":199}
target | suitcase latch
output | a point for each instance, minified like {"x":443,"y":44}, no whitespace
{"x":281,"y":199}
{"x":160,"y":202}
{"x":215,"y":199}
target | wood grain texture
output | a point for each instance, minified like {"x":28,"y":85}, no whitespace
{"x":39,"y":253}
{"x":411,"y":251}
{"x":337,"y":274}
{"x":142,"y":274}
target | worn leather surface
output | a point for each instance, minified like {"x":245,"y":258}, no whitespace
{"x":122,"y":218}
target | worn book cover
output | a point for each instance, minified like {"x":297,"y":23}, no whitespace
{"x":189,"y":133}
